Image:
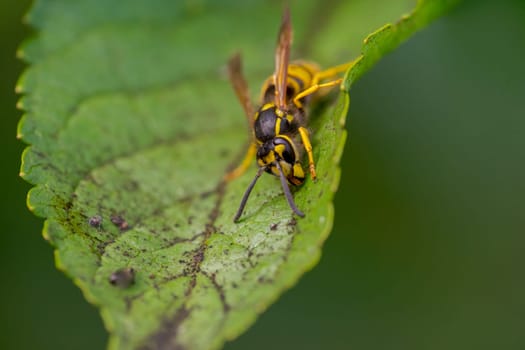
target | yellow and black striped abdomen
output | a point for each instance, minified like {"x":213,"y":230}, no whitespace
{"x":299,"y":78}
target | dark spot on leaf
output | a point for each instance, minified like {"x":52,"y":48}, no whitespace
{"x":198,"y":257}
{"x":220,"y":290}
{"x":120,"y":222}
{"x":101,"y":246}
{"x":263,"y":279}
{"x":207,"y":194}
{"x":95,"y":221}
{"x":166,"y":336}
{"x":190,"y":220}
{"x":123,"y":278}
{"x":274,"y":226}
{"x":193,"y":283}
{"x":131,"y":185}
{"x":152,"y":276}
{"x":129,"y":302}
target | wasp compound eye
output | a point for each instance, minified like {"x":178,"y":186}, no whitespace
{"x":284,"y":149}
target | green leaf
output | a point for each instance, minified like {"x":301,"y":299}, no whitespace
{"x":132,"y":124}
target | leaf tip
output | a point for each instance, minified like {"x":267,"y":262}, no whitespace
{"x":19,"y":127}
{"x":29,"y":203}
{"x":45,"y":230}
{"x":20,"y":54}
{"x":21,"y":172}
{"x":19,"y":89}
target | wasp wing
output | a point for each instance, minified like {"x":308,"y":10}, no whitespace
{"x":282,"y":56}
{"x":240,"y":86}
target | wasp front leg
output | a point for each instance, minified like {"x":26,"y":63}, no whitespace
{"x":248,"y":159}
{"x":308,"y":147}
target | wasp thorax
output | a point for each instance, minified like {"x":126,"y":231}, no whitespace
{"x":269,"y":123}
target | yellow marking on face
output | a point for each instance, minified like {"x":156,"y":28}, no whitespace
{"x":298,"y":170}
{"x":285,"y":167}
{"x":279,"y":149}
{"x":267,"y":159}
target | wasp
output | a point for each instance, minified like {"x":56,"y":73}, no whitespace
{"x":279,"y":127}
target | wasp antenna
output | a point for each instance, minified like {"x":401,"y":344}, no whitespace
{"x":247,"y":194}
{"x":287,"y":193}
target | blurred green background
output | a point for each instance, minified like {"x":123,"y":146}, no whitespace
{"x":427,"y":247}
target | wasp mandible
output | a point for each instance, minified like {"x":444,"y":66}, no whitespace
{"x":279,"y":132}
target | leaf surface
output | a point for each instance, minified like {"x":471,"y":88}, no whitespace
{"x":132,"y":124}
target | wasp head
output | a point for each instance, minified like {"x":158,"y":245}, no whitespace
{"x":277,"y":156}
{"x":281,"y":149}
